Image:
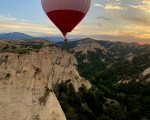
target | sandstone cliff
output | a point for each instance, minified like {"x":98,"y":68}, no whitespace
{"x":88,"y":45}
{"x":27,"y":82}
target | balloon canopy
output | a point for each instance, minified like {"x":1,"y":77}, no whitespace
{"x":66,"y":14}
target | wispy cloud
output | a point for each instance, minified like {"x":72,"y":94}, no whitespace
{"x":144,"y":6}
{"x":103,"y":18}
{"x":27,"y":28}
{"x":7,"y":18}
{"x":11,"y":24}
{"x":109,"y":6}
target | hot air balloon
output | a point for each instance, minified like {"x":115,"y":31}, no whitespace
{"x":66,"y":14}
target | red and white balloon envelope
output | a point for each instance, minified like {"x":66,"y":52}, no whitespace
{"x":66,"y":14}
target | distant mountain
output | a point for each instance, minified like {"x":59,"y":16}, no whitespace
{"x":18,"y":35}
{"x":15,"y":35}
{"x":58,"y":39}
{"x":53,"y":39}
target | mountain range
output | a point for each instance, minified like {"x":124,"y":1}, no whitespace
{"x":110,"y":56}
{"x":15,"y":35}
{"x":18,"y":35}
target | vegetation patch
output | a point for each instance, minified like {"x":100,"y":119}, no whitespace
{"x":37,"y":71}
{"x":37,"y":117}
{"x":23,"y":52}
{"x":43,"y":99}
{"x":8,"y":75}
{"x":5,"y":48}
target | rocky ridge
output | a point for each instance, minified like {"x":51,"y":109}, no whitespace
{"x":88,"y":45}
{"x":27,"y":82}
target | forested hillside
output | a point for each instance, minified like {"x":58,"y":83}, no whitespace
{"x":120,"y":76}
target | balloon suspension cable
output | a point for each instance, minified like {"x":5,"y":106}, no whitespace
{"x":65,"y":40}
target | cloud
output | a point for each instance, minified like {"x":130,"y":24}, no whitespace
{"x":127,"y":12}
{"x":126,"y":31}
{"x":109,"y":6}
{"x":7,"y":18}
{"x":135,"y":16}
{"x":143,"y":6}
{"x":113,"y":7}
{"x":147,"y":2}
{"x":123,"y":38}
{"x":11,"y":24}
{"x":103,"y":18}
{"x":35,"y":29}
{"x":98,"y":5}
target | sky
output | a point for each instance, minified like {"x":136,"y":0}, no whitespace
{"x":119,"y":20}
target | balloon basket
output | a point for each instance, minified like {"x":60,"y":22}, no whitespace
{"x":65,"y":41}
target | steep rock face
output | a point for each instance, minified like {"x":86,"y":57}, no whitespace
{"x":88,"y":45}
{"x":146,"y":72}
{"x":130,"y":57}
{"x":27,"y":82}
